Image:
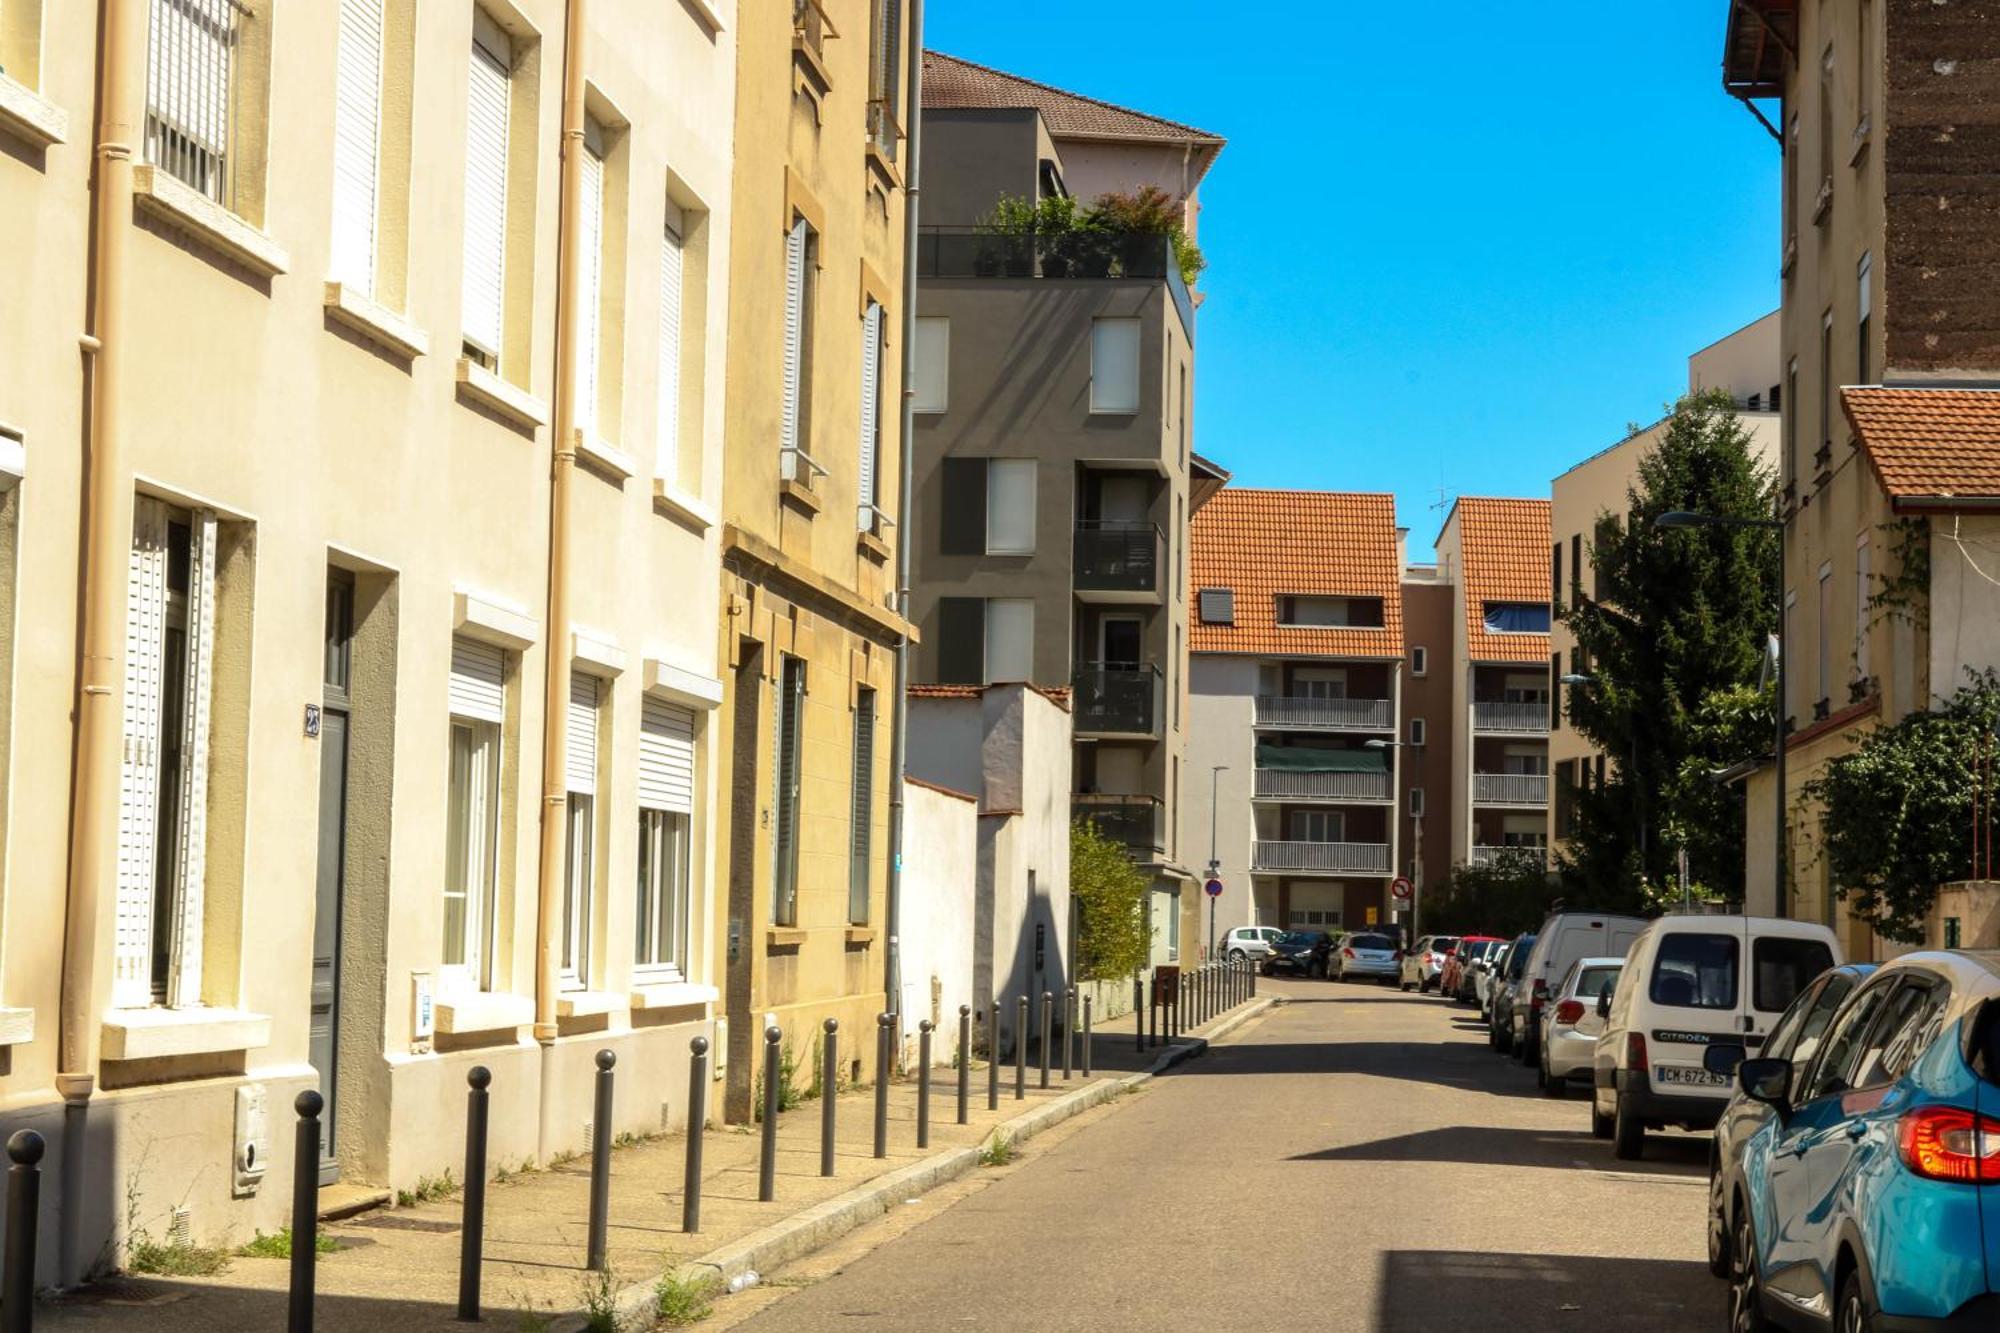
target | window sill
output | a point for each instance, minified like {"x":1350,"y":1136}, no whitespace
{"x":812,"y":64}
{"x":873,"y":547}
{"x":207,"y":222}
{"x":1862,"y":133}
{"x":672,"y":994}
{"x":17,"y":1027}
{"x":515,"y":405}
{"x":784,"y":937}
{"x":377,"y":323}
{"x":1823,"y":202}
{"x":706,"y":12}
{"x":678,"y":505}
{"x":483,"y":1011}
{"x":603,"y":455}
{"x":149,"y":1034}
{"x":29,"y":116}
{"x":879,"y":163}
{"x":799,"y":495}
{"x":861,"y":934}
{"x":589,"y":1003}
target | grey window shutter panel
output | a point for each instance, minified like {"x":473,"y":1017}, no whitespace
{"x":961,"y":631}
{"x":962,"y":516}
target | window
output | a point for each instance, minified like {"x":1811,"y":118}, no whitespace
{"x":1791,"y":203}
{"x":666,"y":807}
{"x":1418,"y":731}
{"x":1556,"y":691}
{"x":1790,"y":459}
{"x":1341,"y":612}
{"x":1576,"y":557}
{"x":1416,"y":802}
{"x":1217,"y":606}
{"x":861,"y":848}
{"x":1174,"y":924}
{"x":1114,"y":365}
{"x":932,"y":381}
{"x":472,"y":814}
{"x":357,"y":126}
{"x":163,"y":810}
{"x":1556,"y":575}
{"x":1780,"y":967}
{"x":1826,"y":121}
{"x":795,"y":408}
{"x":673,"y":278}
{"x":1826,"y":381}
{"x":191,"y":74}
{"x":489,"y":96}
{"x":1517,"y":618}
{"x":1790,"y":645}
{"x":1010,"y":506}
{"x":1908,"y":1027}
{"x":1800,"y":1039}
{"x":1319,"y":825}
{"x":787,"y":738}
{"x":1696,"y":971}
{"x":590,"y":314}
{"x":1861,"y":594}
{"x":1843,"y":1042}
{"x":885,"y":75}
{"x":580,"y":754}
{"x":1864,"y":78}
{"x":1825,"y":677}
{"x":871,"y":415}
{"x":1864,"y":303}
{"x":1010,"y":639}
{"x":1420,"y":661}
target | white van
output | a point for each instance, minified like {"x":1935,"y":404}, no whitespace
{"x":1562,"y":939}
{"x":1690,"y":981}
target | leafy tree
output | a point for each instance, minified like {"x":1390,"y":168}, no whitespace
{"x":1148,"y":211}
{"x":1110,"y":896}
{"x":1674,"y":636}
{"x":1505,"y":896}
{"x":1902,"y":810}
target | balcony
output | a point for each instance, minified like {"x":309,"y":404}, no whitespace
{"x":1283,"y":712}
{"x":1486,"y":856}
{"x":1511,"y":719}
{"x":1530,"y":789}
{"x":1132,"y":820}
{"x":1116,"y":700}
{"x":970,"y":252}
{"x":1119,"y":561}
{"x":1321,"y":858}
{"x":1277,"y":784}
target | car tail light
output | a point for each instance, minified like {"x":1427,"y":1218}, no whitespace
{"x":1946,"y":1143}
{"x":1635,"y":1052}
{"x":1427,"y":958}
{"x":1347,"y":953}
{"x":1398,"y":958}
{"x":1569,"y":1011}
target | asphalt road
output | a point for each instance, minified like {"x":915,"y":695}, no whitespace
{"x":1356,"y":1160}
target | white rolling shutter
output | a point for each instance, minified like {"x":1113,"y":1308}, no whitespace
{"x":667,"y":452}
{"x":1114,"y":365}
{"x":795,"y":306}
{"x":488,"y":96}
{"x":871,"y":413}
{"x":356,"y":127}
{"x":191,"y":857}
{"x":477,"y":673}
{"x":590,"y":325}
{"x":139,"y":779}
{"x":580,"y":754}
{"x":666,"y":757}
{"x":189,"y":45}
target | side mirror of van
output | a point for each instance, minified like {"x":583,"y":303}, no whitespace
{"x":1604,"y":1004}
{"x":1722,"y":1057}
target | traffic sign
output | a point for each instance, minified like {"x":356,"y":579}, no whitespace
{"x":1401,"y":890}
{"x":1213,"y":888}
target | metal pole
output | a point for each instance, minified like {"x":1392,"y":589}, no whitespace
{"x":767,"y":1164}
{"x":1139,"y":1012}
{"x":1086,"y":1034}
{"x":883,"y":1058}
{"x":964,"y":1061}
{"x":829,"y":1082}
{"x":600,"y":1165}
{"x":472,"y":1208}
{"x":305,"y":1211}
{"x":1069,"y":1031}
{"x":924,"y":1083}
{"x":1020,"y":1047}
{"x":1048,"y":1003}
{"x":1781,"y":833}
{"x":17,"y":1268}
{"x":993,"y":1055}
{"x":697,"y":1122}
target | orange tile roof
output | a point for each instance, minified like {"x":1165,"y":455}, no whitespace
{"x":1503,"y":557}
{"x":1929,"y":445}
{"x":1263,"y":544}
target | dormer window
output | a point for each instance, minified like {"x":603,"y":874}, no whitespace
{"x":1517,"y":617}
{"x":1319,"y":612}
{"x":1218,"y":606}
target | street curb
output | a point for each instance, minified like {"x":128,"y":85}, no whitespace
{"x":794,"y":1237}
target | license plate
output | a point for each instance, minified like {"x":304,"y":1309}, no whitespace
{"x":1688,"y":1076}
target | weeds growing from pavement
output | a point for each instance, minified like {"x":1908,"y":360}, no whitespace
{"x":680,"y":1301}
{"x":428,"y":1189}
{"x":997,"y":1151}
{"x":278,"y":1245}
{"x":600,"y":1303}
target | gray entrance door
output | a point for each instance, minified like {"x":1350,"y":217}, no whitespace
{"x":323,"y":1033}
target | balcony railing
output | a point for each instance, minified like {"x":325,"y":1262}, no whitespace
{"x":1286,"y":785}
{"x":1283,"y":710}
{"x":1516,"y":719}
{"x":1114,"y":699}
{"x":1116,"y":556}
{"x":1510,"y":788}
{"x":962,"y":252}
{"x":1364,"y":858}
{"x":1483,"y":856}
{"x":1132,"y":820}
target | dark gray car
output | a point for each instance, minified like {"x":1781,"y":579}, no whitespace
{"x":1506,"y":984}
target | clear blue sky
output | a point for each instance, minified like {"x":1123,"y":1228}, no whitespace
{"x":1458,"y":244}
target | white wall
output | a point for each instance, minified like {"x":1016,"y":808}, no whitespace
{"x":944,"y":741}
{"x":940,"y":892}
{"x":1965,"y":600}
{"x":1221,"y":730}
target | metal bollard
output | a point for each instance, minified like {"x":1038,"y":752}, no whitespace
{"x":1068,"y":1030}
{"x":305,"y":1211}
{"x":1151,"y":1027}
{"x":472,"y":1209}
{"x":1048,"y":1003}
{"x":1138,"y":1013}
{"x":964,"y":1061}
{"x":600,"y":1165}
{"x":1086,"y":1034}
{"x":1253,"y":981}
{"x":829,"y":1082}
{"x":884,"y":1062}
{"x":924,"y":1083}
{"x":993,"y":1055}
{"x":767,"y":1164}
{"x":697,"y":1122}
{"x":17,"y":1268}
{"x":1021,"y":1048}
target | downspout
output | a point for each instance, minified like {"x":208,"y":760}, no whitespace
{"x":103,"y":548}
{"x":555,"y":699}
{"x":892,"y":962}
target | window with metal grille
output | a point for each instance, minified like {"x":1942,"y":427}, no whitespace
{"x":862,"y":841}
{"x":190,"y":92}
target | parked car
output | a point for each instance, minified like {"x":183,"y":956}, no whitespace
{"x":1424,"y":963}
{"x":1366,"y":954}
{"x":1249,"y":942}
{"x":1492,"y":969}
{"x":1571,"y":1023}
{"x":1870,"y":1197}
{"x":1500,"y":1022}
{"x":1299,"y":951}
{"x":1690,"y":981}
{"x":1564,"y":938}
{"x":1457,"y":978}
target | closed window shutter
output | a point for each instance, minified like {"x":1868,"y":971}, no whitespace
{"x":591,"y":317}
{"x":871,"y":411}
{"x":666,"y":758}
{"x":580,"y":755}
{"x":862,"y":814}
{"x":477,"y":672}
{"x":139,"y":779}
{"x":962,"y":516}
{"x":1114,"y":365}
{"x":667,"y":463}
{"x":795,"y":302}
{"x":356,"y":125}
{"x":191,"y":857}
{"x":486,"y":186}
{"x":961,"y":641}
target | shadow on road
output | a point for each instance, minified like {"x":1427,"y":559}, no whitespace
{"x":1428,"y":1291}
{"x":1453,"y":1064}
{"x":1494,"y":1145}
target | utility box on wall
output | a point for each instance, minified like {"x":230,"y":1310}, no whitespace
{"x":252,"y":1140}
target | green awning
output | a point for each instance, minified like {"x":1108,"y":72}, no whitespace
{"x":1305,"y":759}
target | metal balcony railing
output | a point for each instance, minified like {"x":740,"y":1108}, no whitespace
{"x":1514,"y":718}
{"x":1367,"y":858}
{"x":1286,"y":784}
{"x":1482,"y":855}
{"x":1283,"y":710}
{"x":1113,"y":555}
{"x":883,"y":131}
{"x":972,"y":252}
{"x":810,"y":26}
{"x":1116,"y":699}
{"x":1510,"y":788}
{"x":1132,"y":820}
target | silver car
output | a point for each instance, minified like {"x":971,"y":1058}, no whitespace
{"x":1365,"y":954}
{"x":1249,"y":942}
{"x":1572,"y":1025}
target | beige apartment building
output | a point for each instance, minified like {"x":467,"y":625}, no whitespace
{"x":1589,"y":498}
{"x":326,"y":472}
{"x":811,"y":516}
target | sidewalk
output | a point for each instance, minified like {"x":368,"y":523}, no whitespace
{"x":396,"y":1269}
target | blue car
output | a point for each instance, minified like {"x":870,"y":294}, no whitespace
{"x":1856,"y":1182}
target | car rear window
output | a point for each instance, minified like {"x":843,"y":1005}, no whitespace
{"x":1369,"y":942}
{"x":1781,"y":967}
{"x":1696,"y":971}
{"x":1444,"y":942}
{"x":1517,"y":962}
{"x":1595,"y":981}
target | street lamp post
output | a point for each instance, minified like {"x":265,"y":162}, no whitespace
{"x":1214,"y":866}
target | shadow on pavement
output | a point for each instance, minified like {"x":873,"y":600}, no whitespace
{"x":1427,"y":1291}
{"x":1493,"y":1145}
{"x":1453,"y":1064}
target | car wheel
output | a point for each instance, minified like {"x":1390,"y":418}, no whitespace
{"x":1551,"y":1085}
{"x":1851,"y":1312}
{"x":1746,"y":1284}
{"x":1601,"y":1126}
{"x":1628,"y":1133}
{"x":1403,"y":986}
{"x":1524,"y":1049}
{"x":1492,"y":1037}
{"x":1236,"y":955}
{"x":1718,"y":1233}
